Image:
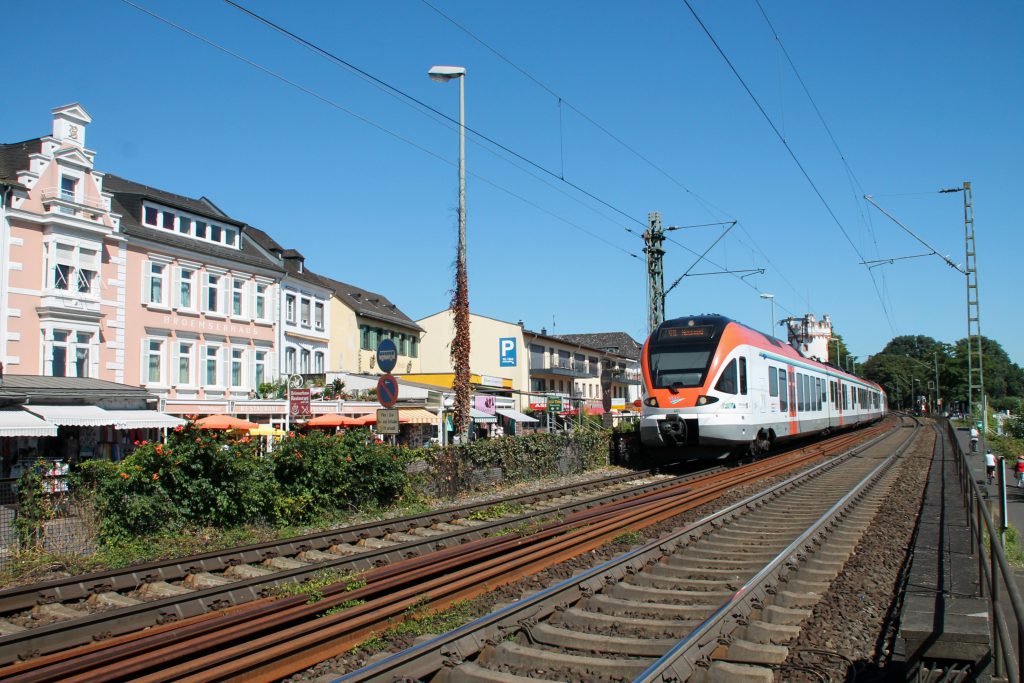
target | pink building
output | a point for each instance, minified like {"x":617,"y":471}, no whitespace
{"x":103,"y":277}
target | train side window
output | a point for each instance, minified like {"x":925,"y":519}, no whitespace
{"x":783,"y":392}
{"x":816,"y":386}
{"x":831,"y":392}
{"x":743,"y":376}
{"x":799,"y":392}
{"x":822,"y":399}
{"x":727,"y":381}
{"x":773,"y":381}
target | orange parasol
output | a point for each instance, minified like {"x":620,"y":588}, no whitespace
{"x":224,"y":422}
{"x":363,"y":420}
{"x":332,"y":420}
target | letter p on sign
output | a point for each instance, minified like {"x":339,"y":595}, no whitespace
{"x":507,"y":352}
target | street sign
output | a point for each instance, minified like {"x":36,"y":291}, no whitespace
{"x":298,"y":403}
{"x":387,"y":355}
{"x":387,"y":390}
{"x":507,"y":352}
{"x":554,"y":404}
{"x":387,"y":421}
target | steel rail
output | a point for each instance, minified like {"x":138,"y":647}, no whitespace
{"x":681,"y":661}
{"x":108,"y":623}
{"x":82,"y":585}
{"x":278,"y":655}
{"x":420,"y":660}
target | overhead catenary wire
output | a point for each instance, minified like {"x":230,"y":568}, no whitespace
{"x":706,"y":204}
{"x":336,"y":105}
{"x":792,"y":154}
{"x":398,"y":91}
{"x":855,"y":183}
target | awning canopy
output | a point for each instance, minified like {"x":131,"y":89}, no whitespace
{"x":416,"y":416}
{"x":18,"y":422}
{"x":144,"y":419}
{"x":74,"y":416}
{"x":481,"y":417}
{"x":515,"y":415}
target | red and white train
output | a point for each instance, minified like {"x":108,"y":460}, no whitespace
{"x":714,"y":386}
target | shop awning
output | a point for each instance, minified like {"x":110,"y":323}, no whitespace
{"x":481,"y":417}
{"x":416,"y":416}
{"x":143,"y":419}
{"x":73,"y":416}
{"x":17,"y":422}
{"x":515,"y":415}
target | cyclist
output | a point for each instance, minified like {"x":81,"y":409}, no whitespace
{"x":990,"y":465}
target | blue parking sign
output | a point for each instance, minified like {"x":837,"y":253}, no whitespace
{"x":507,"y":352}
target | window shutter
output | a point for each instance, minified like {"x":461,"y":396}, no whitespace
{"x":271,"y":369}
{"x":143,"y":365}
{"x":201,"y":365}
{"x":251,"y":288}
{"x":225,"y":353}
{"x":146,"y":276}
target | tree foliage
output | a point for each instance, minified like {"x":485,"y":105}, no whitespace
{"x":914,"y":357}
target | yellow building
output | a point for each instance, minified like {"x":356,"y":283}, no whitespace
{"x":360,"y":319}
{"x":497,"y":354}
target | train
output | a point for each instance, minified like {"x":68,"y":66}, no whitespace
{"x":714,"y":387}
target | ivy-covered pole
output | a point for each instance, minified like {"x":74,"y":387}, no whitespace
{"x":460,"y":298}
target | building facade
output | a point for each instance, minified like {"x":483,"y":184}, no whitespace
{"x":360,"y":320}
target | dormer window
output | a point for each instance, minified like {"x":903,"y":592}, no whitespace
{"x":189,"y":225}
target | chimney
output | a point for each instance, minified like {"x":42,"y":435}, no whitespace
{"x":544,"y":331}
{"x":521,"y":324}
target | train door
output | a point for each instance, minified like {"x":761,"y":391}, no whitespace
{"x":791,"y":383}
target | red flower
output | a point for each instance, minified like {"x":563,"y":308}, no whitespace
{"x":179,"y":428}
{"x":291,"y":435}
{"x":124,"y":475}
{"x":198,"y":440}
{"x":348,"y":458}
{"x":145,"y":443}
{"x":159,"y":449}
{"x":155,"y":476}
{"x":135,"y":443}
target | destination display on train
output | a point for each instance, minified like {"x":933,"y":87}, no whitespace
{"x":680,"y":333}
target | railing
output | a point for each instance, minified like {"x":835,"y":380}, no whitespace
{"x":565,"y":366}
{"x":55,"y":193}
{"x":995,"y":572}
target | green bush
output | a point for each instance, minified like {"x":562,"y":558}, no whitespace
{"x":197,"y":477}
{"x":321,"y":473}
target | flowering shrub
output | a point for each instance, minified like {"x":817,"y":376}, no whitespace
{"x":322,"y":473}
{"x":197,"y":477}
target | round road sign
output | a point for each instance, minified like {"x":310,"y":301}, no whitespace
{"x":387,"y":355}
{"x":387,"y":390}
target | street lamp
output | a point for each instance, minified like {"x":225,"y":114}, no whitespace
{"x":837,"y":351}
{"x":460,"y":303}
{"x":771,"y":325}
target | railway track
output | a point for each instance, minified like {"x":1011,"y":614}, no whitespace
{"x":40,"y":618}
{"x":711,"y":601}
{"x":267,"y":639}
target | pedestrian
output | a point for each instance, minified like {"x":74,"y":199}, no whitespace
{"x":1019,"y":471}
{"x":990,"y":465}
{"x":974,"y":439}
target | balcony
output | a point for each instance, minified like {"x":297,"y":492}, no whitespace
{"x":563,"y":368}
{"x":627,"y":377}
{"x":67,"y":203}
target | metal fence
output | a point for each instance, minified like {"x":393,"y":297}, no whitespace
{"x":998,"y":583}
{"x":62,"y":529}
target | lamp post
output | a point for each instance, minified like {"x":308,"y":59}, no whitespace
{"x":935,"y":359}
{"x":460,"y":302}
{"x":771,"y":324}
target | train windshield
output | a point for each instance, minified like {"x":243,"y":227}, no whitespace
{"x":680,"y":366}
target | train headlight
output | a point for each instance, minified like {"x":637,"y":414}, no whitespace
{"x":651,"y":401}
{"x":704,"y":400}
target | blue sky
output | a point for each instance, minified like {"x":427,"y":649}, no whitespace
{"x":919,"y":96}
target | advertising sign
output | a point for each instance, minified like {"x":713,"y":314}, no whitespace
{"x":619,"y":403}
{"x":507,"y":352}
{"x":554,"y":404}
{"x":484,"y":404}
{"x":387,"y":421}
{"x":538,"y":405}
{"x":298,"y":403}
